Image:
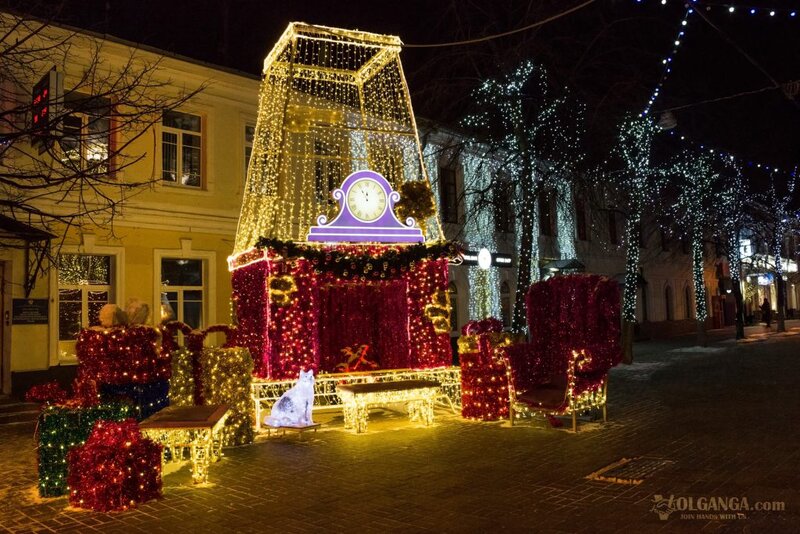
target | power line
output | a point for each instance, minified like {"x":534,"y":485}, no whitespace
{"x":775,"y":83}
{"x":787,"y":88}
{"x":504,"y":34}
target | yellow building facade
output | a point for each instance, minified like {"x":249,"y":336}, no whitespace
{"x":170,"y":239}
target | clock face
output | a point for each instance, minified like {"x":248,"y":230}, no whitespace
{"x":366,"y":200}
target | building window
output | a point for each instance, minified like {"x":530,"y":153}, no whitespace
{"x":640,"y":235}
{"x":249,"y":135}
{"x":580,"y":220}
{"x":449,"y":195}
{"x":669,"y":303}
{"x":84,"y":287}
{"x":504,"y":206}
{"x":181,"y":149}
{"x":546,"y":214}
{"x":643,"y":303}
{"x":327,"y":170}
{"x":613,"y":237}
{"x":86,"y":133}
{"x":452,"y":291}
{"x":184,"y":289}
{"x":688,"y":296}
{"x":505,"y":304}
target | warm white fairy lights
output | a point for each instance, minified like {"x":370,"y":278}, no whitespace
{"x":332,"y":102}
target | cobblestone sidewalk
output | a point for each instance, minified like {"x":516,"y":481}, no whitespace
{"x":726,"y":421}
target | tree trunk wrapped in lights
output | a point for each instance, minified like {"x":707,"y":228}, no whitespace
{"x":640,"y":182}
{"x":695,"y":205}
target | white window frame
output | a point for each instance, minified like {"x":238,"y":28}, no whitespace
{"x":209,"y":278}
{"x":179,"y":133}
{"x":117,"y":293}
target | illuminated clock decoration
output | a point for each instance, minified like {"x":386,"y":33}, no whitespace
{"x":366,"y":215}
{"x":366,"y":200}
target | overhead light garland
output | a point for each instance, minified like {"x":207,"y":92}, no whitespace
{"x":752,"y":11}
{"x":667,"y":61}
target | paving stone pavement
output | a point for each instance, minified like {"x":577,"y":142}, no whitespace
{"x":727,"y":421}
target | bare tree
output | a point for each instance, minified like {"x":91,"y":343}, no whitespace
{"x":70,"y":113}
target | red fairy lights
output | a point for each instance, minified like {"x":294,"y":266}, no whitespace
{"x":342,"y":296}
{"x":115,"y":469}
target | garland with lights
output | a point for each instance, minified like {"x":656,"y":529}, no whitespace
{"x":49,"y":393}
{"x":115,"y":469}
{"x":364,"y":262}
{"x":61,"y":428}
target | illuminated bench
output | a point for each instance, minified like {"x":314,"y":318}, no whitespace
{"x":196,"y":429}
{"x":418,"y":395}
{"x":265,"y":393}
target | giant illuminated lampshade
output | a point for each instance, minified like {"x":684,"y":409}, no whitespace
{"x":332,"y":103}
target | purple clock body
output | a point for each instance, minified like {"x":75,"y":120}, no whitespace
{"x":348,"y":228}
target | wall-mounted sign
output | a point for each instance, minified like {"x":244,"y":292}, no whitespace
{"x":30,"y":311}
{"x":498,"y":259}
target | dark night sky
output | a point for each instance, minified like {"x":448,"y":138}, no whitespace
{"x":609,"y":53}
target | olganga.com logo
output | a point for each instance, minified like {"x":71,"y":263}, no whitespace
{"x":710,"y":508}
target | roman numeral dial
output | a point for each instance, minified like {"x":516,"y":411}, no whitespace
{"x":366,"y":200}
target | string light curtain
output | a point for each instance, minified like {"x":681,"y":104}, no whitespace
{"x":331,"y":102}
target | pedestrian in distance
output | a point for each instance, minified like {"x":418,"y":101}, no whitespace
{"x":766,"y":313}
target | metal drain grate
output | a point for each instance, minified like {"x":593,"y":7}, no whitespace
{"x":629,"y":470}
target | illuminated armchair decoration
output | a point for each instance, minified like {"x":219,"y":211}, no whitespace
{"x":574,"y":325}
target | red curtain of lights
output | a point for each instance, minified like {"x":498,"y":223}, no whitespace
{"x":299,"y":311}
